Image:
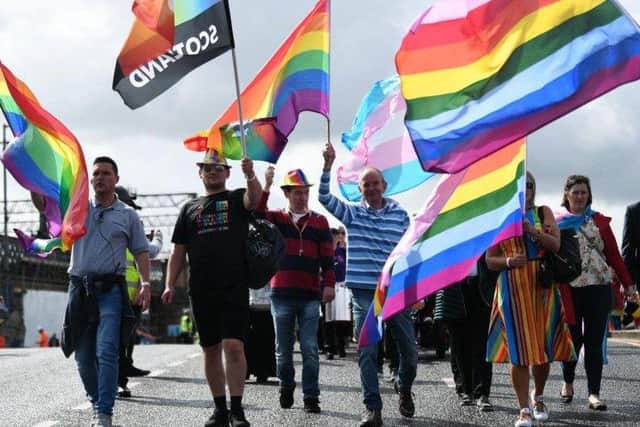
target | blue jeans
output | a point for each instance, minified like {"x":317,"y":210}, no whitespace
{"x":97,"y":352}
{"x":285,"y":311}
{"x":404,"y":334}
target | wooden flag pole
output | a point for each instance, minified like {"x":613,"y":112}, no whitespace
{"x":241,"y":120}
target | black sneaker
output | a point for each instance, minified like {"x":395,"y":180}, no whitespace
{"x":372,"y":418}
{"x":406,"y":406}
{"x":237,"y":419}
{"x":135,"y":372}
{"x":286,"y":397}
{"x":483,"y":404}
{"x":329,"y":356}
{"x":218,"y":419}
{"x":312,"y":405}
{"x":124,"y":392}
{"x":465,"y":399}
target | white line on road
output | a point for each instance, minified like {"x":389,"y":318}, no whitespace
{"x":157,"y":373}
{"x":83,"y":407}
{"x":178,"y":363}
{"x":449,"y":382}
{"x":46,"y":424}
{"x":194,"y":355}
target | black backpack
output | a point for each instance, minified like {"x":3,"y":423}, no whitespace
{"x":265,"y":248}
{"x":565,"y":265}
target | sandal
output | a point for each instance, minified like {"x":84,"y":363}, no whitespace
{"x":564,"y":396}
{"x":596,"y":404}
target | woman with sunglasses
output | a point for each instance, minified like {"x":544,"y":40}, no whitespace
{"x":588,"y":299}
{"x":527,"y":327}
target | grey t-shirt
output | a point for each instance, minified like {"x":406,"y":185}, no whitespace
{"x":110,"y":231}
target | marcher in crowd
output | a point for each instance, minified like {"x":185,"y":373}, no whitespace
{"x":465,"y":312}
{"x":43,"y":338}
{"x":589,"y":299}
{"x":212,"y":230}
{"x":126,"y":368}
{"x":53,"y":340}
{"x":260,"y":345}
{"x":337,"y":326}
{"x":295,"y":288}
{"x":374,"y":227}
{"x":98,"y":301}
{"x":527,"y":326}
{"x":186,"y":327}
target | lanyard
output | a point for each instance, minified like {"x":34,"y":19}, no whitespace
{"x":300,"y":230}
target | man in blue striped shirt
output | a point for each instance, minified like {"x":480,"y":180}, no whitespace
{"x":374,"y":227}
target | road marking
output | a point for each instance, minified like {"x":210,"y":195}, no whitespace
{"x":83,"y":407}
{"x":174,"y":364}
{"x":634,"y":343}
{"x":449,"y":382}
{"x":46,"y":424}
{"x":194,"y":355}
{"x":157,"y":373}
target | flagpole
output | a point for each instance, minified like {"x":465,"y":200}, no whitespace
{"x":329,"y":76}
{"x":240,"y":115}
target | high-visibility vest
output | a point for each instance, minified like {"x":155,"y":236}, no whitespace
{"x":132,"y":276}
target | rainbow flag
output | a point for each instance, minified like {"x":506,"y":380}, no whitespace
{"x":47,"y":159}
{"x":295,"y":79}
{"x":379,"y":139}
{"x":264,"y":140}
{"x":479,"y":74}
{"x":467,"y":213}
{"x":166,"y":43}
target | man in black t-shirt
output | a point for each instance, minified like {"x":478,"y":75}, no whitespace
{"x":212,"y":231}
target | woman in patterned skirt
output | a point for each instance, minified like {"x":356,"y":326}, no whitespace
{"x":527,"y":326}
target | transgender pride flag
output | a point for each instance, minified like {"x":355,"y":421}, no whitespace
{"x":380,"y":139}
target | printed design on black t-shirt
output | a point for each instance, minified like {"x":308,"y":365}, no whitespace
{"x":214,"y":221}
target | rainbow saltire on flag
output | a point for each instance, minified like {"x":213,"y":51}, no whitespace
{"x":379,"y":139}
{"x":479,"y":74}
{"x":295,"y":79}
{"x":467,"y":213}
{"x":47,"y":159}
{"x":264,"y":140}
{"x":164,"y":45}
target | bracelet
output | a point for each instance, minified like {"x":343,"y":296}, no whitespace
{"x":252,"y":178}
{"x":143,"y":284}
{"x":507,"y":262}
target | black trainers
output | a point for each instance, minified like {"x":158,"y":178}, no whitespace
{"x":465,"y":399}
{"x":124,"y":392}
{"x":286,"y":397}
{"x":372,"y":418}
{"x":483,"y":404}
{"x":312,"y":405}
{"x":218,"y":419}
{"x":405,"y":405}
{"x":237,"y":419}
{"x":135,"y":372}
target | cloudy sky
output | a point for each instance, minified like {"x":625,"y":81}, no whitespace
{"x":66,"y":51}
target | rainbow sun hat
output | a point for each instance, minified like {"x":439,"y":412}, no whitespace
{"x":295,"y":178}
{"x":212,"y":157}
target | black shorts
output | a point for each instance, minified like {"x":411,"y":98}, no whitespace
{"x":220,"y":314}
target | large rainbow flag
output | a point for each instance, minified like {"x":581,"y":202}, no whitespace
{"x":295,"y":79}
{"x":479,"y":74}
{"x":45,"y":158}
{"x":467,"y":213}
{"x":379,"y":139}
{"x":165,"y":44}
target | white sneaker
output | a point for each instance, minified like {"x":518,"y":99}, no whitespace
{"x":524,"y":420}
{"x":540,"y":411}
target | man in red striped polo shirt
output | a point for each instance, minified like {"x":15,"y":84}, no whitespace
{"x":305,"y":278}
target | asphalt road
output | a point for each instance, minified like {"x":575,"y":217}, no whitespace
{"x":39,"y":387}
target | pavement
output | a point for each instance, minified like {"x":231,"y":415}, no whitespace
{"x":39,"y":387}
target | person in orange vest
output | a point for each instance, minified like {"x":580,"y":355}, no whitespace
{"x":43,"y":338}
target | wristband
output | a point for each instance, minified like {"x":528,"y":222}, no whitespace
{"x":143,"y":284}
{"x":507,"y":262}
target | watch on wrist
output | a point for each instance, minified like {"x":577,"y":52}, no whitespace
{"x":143,"y":284}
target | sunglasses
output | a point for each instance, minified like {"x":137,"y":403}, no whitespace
{"x":211,"y":168}
{"x":530,"y":185}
